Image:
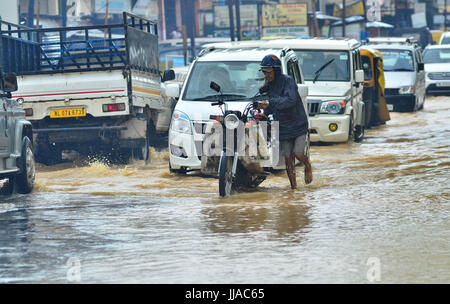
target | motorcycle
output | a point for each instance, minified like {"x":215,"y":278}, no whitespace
{"x":240,"y":167}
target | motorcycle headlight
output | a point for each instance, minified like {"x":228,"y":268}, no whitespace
{"x":406,"y":90}
{"x":231,"y":121}
{"x":332,"y":107}
{"x":180,"y":123}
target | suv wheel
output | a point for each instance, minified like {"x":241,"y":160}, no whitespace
{"x":25,"y":179}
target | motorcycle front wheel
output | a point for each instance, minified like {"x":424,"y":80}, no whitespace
{"x":225,"y":175}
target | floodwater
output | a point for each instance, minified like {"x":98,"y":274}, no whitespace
{"x":376,"y":212}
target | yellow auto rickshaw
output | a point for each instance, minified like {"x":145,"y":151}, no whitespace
{"x":373,"y":94}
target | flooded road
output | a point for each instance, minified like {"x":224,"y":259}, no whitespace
{"x":377,"y":211}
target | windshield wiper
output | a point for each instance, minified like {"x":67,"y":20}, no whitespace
{"x":317,"y":73}
{"x":224,"y":97}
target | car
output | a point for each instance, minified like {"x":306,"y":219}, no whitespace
{"x":237,"y":72}
{"x":16,"y":141}
{"x":445,"y":38}
{"x":437,"y":69}
{"x":348,"y":122}
{"x":334,"y":75}
{"x":404,"y":72}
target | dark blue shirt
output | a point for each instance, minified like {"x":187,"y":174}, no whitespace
{"x":287,"y":107}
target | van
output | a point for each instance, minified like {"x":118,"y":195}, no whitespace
{"x":404,"y":72}
{"x":238,"y":72}
{"x":334,"y":75}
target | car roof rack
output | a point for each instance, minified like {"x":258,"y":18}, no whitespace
{"x":391,"y":40}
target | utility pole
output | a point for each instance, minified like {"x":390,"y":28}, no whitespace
{"x":343,"y":18}
{"x":30,"y":15}
{"x":63,"y":5}
{"x":445,"y":15}
{"x":230,"y":14}
{"x":188,"y":20}
{"x":238,"y":20}
{"x":38,"y":13}
{"x":315,"y":24}
{"x":162,"y":19}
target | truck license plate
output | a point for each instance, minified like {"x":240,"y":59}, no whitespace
{"x":62,"y":113}
{"x":443,"y":84}
{"x":390,"y":107}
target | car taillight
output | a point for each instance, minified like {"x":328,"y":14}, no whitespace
{"x":114,"y":107}
{"x":28,"y":112}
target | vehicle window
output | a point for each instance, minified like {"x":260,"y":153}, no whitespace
{"x":294,"y":71}
{"x":436,"y":56}
{"x":445,"y":40}
{"x":234,"y":77}
{"x":312,"y":61}
{"x":397,"y":60}
{"x":367,"y":67}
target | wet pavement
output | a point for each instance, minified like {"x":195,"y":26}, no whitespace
{"x":377,"y":211}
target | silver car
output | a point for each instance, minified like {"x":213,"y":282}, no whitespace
{"x":16,"y":142}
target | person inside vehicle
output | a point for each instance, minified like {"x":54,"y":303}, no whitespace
{"x":287,"y":108}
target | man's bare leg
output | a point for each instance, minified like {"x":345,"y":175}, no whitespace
{"x":290,"y":169}
{"x":308,"y":169}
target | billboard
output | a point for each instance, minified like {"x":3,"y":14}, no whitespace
{"x":9,"y":11}
{"x":280,"y":15}
{"x":114,"y":6}
{"x":353,"y":9}
{"x":248,"y":14}
{"x":146,"y":8}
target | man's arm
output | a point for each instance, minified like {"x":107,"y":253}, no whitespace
{"x":289,"y":96}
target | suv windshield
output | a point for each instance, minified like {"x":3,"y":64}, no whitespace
{"x":239,"y":80}
{"x":445,"y":40}
{"x":397,"y":60}
{"x":312,"y":61}
{"x":436,"y":56}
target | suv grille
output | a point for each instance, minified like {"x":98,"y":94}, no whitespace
{"x":390,"y":91}
{"x":313,"y":107}
{"x":200,"y":126}
{"x":439,"y":76}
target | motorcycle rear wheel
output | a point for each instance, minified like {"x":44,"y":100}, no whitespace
{"x":225,"y":175}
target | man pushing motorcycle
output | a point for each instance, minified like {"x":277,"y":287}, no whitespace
{"x":287,"y":108}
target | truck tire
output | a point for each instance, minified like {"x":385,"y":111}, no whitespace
{"x":25,"y":179}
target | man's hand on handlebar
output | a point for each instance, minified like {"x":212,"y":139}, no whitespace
{"x":263,"y":104}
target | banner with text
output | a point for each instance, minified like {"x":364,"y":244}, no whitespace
{"x":280,"y":15}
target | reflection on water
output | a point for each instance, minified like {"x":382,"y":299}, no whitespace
{"x":285,"y":213}
{"x":386,"y":198}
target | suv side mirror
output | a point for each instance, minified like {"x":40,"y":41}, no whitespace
{"x":359,"y":76}
{"x":421,"y":66}
{"x":168,"y":75}
{"x":10,"y":83}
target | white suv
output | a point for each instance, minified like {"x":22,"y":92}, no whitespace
{"x":437,"y":69}
{"x":237,"y":71}
{"x":334,"y":75}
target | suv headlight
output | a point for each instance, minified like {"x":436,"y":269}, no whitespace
{"x":333,"y":107}
{"x":406,"y":90}
{"x":180,"y":123}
